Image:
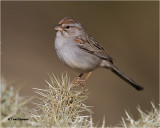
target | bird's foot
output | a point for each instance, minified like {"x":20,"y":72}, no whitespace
{"x":82,"y":83}
{"x":76,"y":82}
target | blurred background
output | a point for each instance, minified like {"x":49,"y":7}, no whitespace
{"x":128,"y":31}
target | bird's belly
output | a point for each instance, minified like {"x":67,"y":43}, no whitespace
{"x":78,"y":60}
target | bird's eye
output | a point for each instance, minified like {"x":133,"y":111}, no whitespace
{"x":68,"y":27}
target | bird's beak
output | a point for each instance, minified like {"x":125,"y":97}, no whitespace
{"x":58,"y":28}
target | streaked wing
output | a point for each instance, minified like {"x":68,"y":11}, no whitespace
{"x":89,"y":44}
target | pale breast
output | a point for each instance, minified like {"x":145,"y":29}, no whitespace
{"x":75,"y":58}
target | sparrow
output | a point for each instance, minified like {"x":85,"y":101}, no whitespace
{"x":82,"y":53}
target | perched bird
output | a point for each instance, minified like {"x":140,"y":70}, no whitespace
{"x":83,"y":53}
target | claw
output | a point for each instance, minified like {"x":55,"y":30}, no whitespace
{"x":82,"y":83}
{"x":77,"y":82}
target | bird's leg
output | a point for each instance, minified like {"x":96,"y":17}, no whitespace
{"x":76,"y":80}
{"x":88,"y":75}
{"x":83,"y":82}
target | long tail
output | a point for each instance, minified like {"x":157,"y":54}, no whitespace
{"x":115,"y":70}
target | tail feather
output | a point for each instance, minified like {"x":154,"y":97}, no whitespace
{"x":115,"y":70}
